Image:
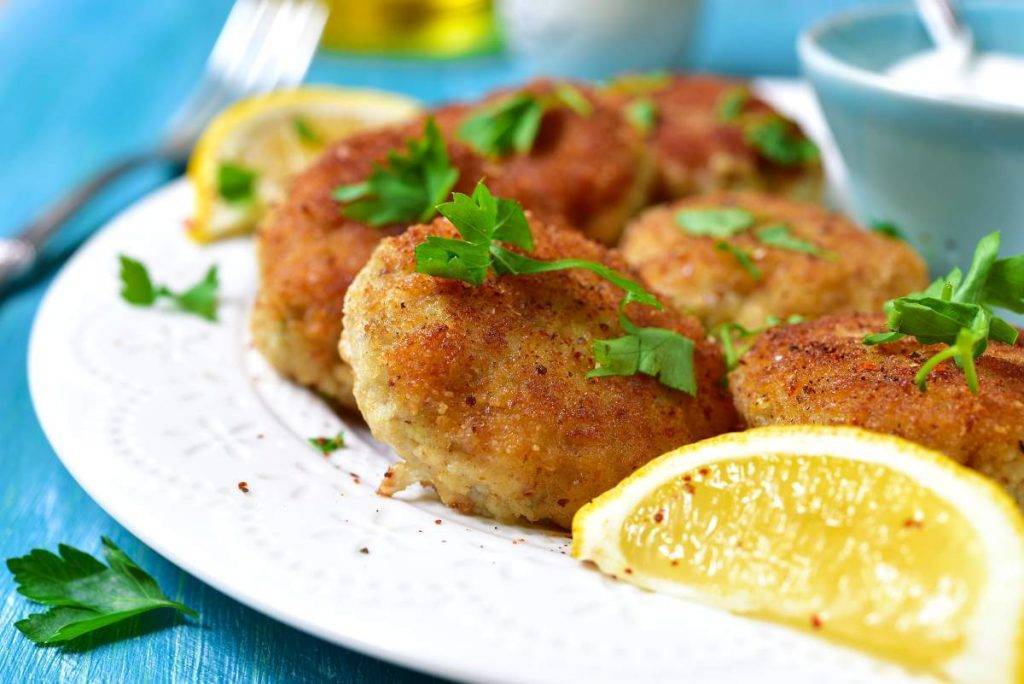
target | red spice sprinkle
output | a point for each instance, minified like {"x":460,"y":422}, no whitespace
{"x":364,"y":550}
{"x":659,"y":516}
{"x":437,"y":522}
{"x":244,"y":486}
{"x":816,"y":622}
{"x":913,"y":522}
{"x":355,"y":478}
{"x":687,"y":478}
{"x":704,"y":471}
{"x":675,"y":563}
{"x":690,"y":489}
{"x":629,"y":571}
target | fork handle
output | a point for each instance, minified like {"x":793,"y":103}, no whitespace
{"x":19,"y":253}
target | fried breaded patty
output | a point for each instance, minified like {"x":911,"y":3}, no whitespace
{"x":483,"y":391}
{"x":859,"y":271}
{"x":698,"y":150}
{"x":820,"y":372}
{"x":591,"y":171}
{"x":309,"y":253}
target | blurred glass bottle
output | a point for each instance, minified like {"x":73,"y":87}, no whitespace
{"x":441,"y":28}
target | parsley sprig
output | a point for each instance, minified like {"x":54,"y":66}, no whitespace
{"x":485,"y":222}
{"x":727,"y":222}
{"x":512,"y":124}
{"x":957,"y":311}
{"x":137,"y":288}
{"x":328,"y":445}
{"x":776,"y":138}
{"x":407,"y":188}
{"x":736,"y":339}
{"x":82,"y":593}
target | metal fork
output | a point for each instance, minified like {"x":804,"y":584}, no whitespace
{"x":265,"y":44}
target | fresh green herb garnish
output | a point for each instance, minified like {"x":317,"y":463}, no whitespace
{"x":741,"y":256}
{"x":736,"y":340}
{"x":83,"y":594}
{"x":723,"y":222}
{"x":640,"y":84}
{"x":328,"y":445}
{"x":731,"y":104}
{"x":408,"y":188}
{"x":957,"y":311}
{"x":642,"y":114}
{"x":305,"y":131}
{"x":572,"y":98}
{"x":137,"y":288}
{"x":660,"y":353}
{"x":485,"y":222}
{"x":889,"y":229}
{"x":235,"y":183}
{"x":781,"y":236}
{"x":779,"y":141}
{"x":511,"y":124}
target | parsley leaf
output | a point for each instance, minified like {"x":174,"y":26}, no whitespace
{"x":889,"y":229}
{"x":731,"y":103}
{"x":408,"y":188}
{"x":571,"y":97}
{"x":640,"y":84}
{"x":509,"y":125}
{"x":235,"y":183}
{"x":736,"y":340}
{"x":484,"y":222}
{"x":779,"y":141}
{"x":660,"y":353}
{"x":741,"y":256}
{"x":780,"y":235}
{"x":512,"y":124}
{"x":957,"y":311}
{"x":328,"y":445}
{"x":305,"y":131}
{"x":137,"y":288}
{"x":82,"y":593}
{"x":722,"y":222}
{"x":642,"y":114}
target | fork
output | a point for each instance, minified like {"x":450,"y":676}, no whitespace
{"x":264,"y":45}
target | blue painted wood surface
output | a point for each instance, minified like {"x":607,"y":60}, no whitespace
{"x":82,"y":81}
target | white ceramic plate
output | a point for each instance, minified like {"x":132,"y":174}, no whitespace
{"x":160,"y":415}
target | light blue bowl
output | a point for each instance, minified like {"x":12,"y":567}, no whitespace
{"x":946,"y":172}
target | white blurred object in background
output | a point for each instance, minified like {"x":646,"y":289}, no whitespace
{"x":596,"y":38}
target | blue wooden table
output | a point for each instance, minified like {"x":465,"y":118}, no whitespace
{"x":82,"y":81}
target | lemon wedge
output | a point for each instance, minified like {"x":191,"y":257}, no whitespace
{"x":864,"y":539}
{"x":246,"y":156}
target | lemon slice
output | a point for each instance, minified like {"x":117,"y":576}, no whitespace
{"x":865,"y":539}
{"x":246,"y":156}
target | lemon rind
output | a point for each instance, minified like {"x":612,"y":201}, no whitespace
{"x":1000,"y":608}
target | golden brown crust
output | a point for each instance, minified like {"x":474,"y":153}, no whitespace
{"x":483,"y":390}
{"x":696,"y":152}
{"x":821,"y":373}
{"x":309,"y":252}
{"x":864,"y":270}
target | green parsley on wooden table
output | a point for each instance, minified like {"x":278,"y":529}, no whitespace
{"x":82,"y":594}
{"x":407,"y":188}
{"x":137,"y":288}
{"x":484,"y":222}
{"x":957,"y":310}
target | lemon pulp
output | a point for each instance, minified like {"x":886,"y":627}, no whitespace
{"x":803,"y":540}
